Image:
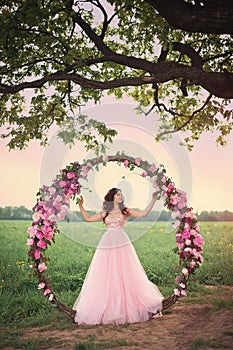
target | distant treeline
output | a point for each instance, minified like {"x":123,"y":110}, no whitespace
{"x":22,"y":213}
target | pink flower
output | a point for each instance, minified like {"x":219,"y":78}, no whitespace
{"x":39,"y":235}
{"x":52,"y":190}
{"x":62,"y":184}
{"x":36,"y":216}
{"x":185,"y":233}
{"x":37,"y":254}
{"x":198,"y":240}
{"x":47,"y":291}
{"x":192,"y":263}
{"x":70,"y":175}
{"x":170,"y":186}
{"x":182,"y":285}
{"x":49,"y":235}
{"x":32,"y":230}
{"x":42,"y":267}
{"x":41,"y":285}
{"x":185,"y":271}
{"x":138,"y":161}
{"x":184,"y":293}
{"x":144,"y":174}
{"x":58,"y":198}
{"x":177,"y":292}
{"x":177,"y":280}
{"x":89,"y":165}
{"x":180,"y":245}
{"x":152,"y":168}
{"x":173,"y":200}
{"x":188,"y":241}
{"x":41,"y":244}
{"x":56,"y":204}
{"x":84,"y":169}
{"x":30,"y":241}
{"x":126,"y":162}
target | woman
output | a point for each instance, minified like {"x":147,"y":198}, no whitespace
{"x":116,"y":289}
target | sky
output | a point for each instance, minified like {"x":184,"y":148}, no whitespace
{"x":205,"y":174}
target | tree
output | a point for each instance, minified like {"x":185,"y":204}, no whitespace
{"x":68,"y":52}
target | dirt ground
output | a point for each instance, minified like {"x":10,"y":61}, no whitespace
{"x":189,"y":324}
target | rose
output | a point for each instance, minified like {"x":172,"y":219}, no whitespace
{"x":41,"y":244}
{"x":41,"y":285}
{"x":185,"y":271}
{"x":70,"y":175}
{"x":126,"y":163}
{"x":47,"y":291}
{"x":144,"y":174}
{"x":37,"y":254}
{"x":42,"y":267}
{"x":62,"y":184}
{"x":177,"y":292}
{"x":152,"y":168}
{"x":138,"y":161}
{"x":30,"y":241}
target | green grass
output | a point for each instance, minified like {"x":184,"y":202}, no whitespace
{"x":22,"y":303}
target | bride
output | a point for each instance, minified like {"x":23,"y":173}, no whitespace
{"x":116,"y":289}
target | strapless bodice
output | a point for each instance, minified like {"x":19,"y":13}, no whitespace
{"x":115,"y":222}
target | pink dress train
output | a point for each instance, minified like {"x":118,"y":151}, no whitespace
{"x":116,"y":289}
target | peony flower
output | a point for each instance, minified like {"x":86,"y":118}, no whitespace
{"x":51,"y":297}
{"x":177,"y":292}
{"x":70,"y":175}
{"x":41,"y":244}
{"x":173,"y":200}
{"x":152,"y":168}
{"x":52,"y":190}
{"x":30,"y":241}
{"x":36,"y":216}
{"x":184,"y":293}
{"x":42,"y":267}
{"x":126,"y":162}
{"x":192,"y":263}
{"x":47,"y":291}
{"x":37,"y":254}
{"x":185,"y":271}
{"x":170,"y":186}
{"x":138,"y":161}
{"x":198,"y":240}
{"x":62,"y":184}
{"x":41,"y":285}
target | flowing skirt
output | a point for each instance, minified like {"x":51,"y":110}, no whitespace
{"x":116,"y":289}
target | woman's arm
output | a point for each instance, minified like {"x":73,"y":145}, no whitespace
{"x":86,"y":217}
{"x":141,"y":213}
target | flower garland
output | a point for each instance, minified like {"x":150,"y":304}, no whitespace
{"x":53,"y":205}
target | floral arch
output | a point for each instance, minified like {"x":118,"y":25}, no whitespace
{"x":53,"y":204}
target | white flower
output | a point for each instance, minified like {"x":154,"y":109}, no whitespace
{"x":51,"y":297}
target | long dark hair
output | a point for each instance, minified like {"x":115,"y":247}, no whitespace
{"x":108,"y":203}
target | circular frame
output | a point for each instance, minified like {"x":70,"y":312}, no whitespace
{"x":53,"y":205}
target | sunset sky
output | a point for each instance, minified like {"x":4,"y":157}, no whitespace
{"x":205,"y":174}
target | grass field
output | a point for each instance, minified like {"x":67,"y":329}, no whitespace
{"x":22,"y":303}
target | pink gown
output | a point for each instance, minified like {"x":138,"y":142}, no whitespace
{"x":116,"y":289}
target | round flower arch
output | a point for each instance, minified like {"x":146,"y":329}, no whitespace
{"x":53,"y":205}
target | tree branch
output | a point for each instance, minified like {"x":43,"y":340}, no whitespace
{"x":187,"y":121}
{"x":219,"y":84}
{"x":215,"y":17}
